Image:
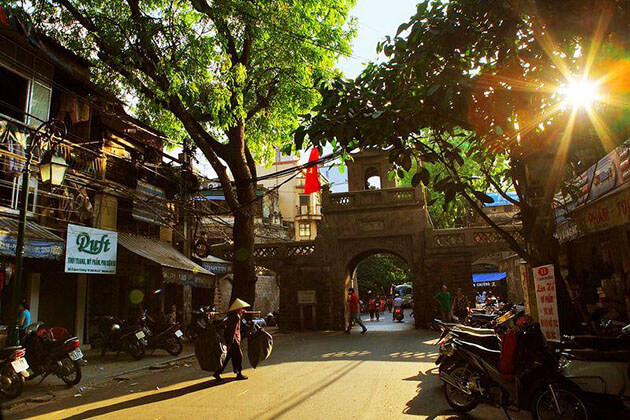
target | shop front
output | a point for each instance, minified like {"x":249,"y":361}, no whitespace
{"x":43,"y":268}
{"x":598,"y":255}
{"x":150,"y":275}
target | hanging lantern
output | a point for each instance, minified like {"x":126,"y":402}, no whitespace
{"x":52,"y":169}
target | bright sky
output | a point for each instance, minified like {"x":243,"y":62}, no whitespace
{"x":376,"y":19}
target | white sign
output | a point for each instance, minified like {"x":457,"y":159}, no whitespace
{"x":306,"y":297}
{"x":90,"y":250}
{"x":547,"y":302}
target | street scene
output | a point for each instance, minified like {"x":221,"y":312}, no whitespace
{"x":277,"y":209}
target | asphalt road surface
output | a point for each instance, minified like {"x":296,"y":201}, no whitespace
{"x":388,"y":373}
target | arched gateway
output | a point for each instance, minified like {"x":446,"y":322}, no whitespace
{"x":314,"y":275}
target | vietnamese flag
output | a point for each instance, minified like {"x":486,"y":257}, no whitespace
{"x":311,"y":179}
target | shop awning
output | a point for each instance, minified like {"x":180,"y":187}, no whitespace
{"x":39,"y":242}
{"x":176,"y":268}
{"x":483,"y":277}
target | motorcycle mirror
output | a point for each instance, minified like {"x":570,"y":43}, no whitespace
{"x":626,"y":330}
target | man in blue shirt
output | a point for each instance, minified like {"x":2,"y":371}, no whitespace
{"x":24,"y":316}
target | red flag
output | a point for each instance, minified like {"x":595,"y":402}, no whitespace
{"x":311,"y":179}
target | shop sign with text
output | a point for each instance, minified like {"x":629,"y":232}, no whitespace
{"x":90,"y":250}
{"x":547,"y":302}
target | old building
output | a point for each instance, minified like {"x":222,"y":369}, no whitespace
{"x":117,"y":180}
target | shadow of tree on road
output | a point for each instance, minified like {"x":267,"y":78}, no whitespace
{"x":149,"y":399}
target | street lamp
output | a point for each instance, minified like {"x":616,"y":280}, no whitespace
{"x":52,"y":170}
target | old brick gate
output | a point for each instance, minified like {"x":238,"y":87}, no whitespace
{"x":361,"y":223}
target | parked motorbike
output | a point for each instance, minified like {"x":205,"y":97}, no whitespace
{"x":600,"y":366}
{"x":166,"y":337}
{"x":198,"y":322}
{"x":52,"y":351}
{"x":398,"y":314}
{"x":474,"y":374}
{"x":13,"y":369}
{"x":115,"y":336}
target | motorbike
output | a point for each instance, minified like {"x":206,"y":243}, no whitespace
{"x":115,"y":336}
{"x":512,"y":371}
{"x":198,"y":322}
{"x":52,"y":351}
{"x":272,"y":318}
{"x":13,"y":370}
{"x":166,"y":337}
{"x":398,"y":314}
{"x":600,"y":366}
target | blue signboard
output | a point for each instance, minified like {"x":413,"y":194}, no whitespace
{"x":33,"y":248}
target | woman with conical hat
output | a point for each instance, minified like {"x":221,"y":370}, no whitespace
{"x":232,"y":337}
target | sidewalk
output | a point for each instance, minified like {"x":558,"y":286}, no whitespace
{"x":98,"y":369}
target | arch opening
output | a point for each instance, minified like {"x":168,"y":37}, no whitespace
{"x":372,"y":178}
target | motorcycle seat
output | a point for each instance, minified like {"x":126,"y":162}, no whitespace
{"x":598,"y":356}
{"x":489,"y":355}
{"x":487,"y":317}
{"x":8,"y":351}
{"x":595,"y":342}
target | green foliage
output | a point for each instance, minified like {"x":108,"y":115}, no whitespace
{"x":487,"y":73}
{"x":377,"y":272}
{"x":229,"y":62}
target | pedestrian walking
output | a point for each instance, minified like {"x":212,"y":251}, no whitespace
{"x":355,"y":315}
{"x":377,"y":308}
{"x":232,"y":336}
{"x":444,"y":299}
{"x":381,"y":302}
{"x":390,"y":303}
{"x":371,"y":305}
{"x":461,"y":306}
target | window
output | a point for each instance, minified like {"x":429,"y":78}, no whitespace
{"x":13,"y":94}
{"x":305,"y":230}
{"x":305,"y":204}
{"x":23,"y":99}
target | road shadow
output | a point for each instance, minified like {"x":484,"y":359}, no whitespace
{"x":150,"y":399}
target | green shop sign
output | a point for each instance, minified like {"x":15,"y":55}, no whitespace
{"x":90,"y":250}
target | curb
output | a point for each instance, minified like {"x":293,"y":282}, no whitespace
{"x":9,"y":405}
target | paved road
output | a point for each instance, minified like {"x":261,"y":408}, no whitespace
{"x":388,"y":373}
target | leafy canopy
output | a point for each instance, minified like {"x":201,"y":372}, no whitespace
{"x":226,"y":62}
{"x":482,"y":80}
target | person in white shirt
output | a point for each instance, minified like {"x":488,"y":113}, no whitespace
{"x":398,"y":303}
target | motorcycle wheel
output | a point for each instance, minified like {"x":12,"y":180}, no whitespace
{"x":457,"y":399}
{"x":135,"y":349}
{"x":571,"y":405}
{"x":74,"y":377}
{"x":191,"y":333}
{"x":174,"y":346}
{"x":11,"y":383}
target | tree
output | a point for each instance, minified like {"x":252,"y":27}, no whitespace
{"x":379,"y":271}
{"x":443,"y":214}
{"x":232,"y":75}
{"x":492,"y":74}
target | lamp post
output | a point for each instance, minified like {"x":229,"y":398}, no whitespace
{"x":52,"y":170}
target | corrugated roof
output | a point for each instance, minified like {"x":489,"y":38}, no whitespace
{"x":160,"y":253}
{"x":9,"y":226}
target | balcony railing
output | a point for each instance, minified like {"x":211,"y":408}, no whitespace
{"x":387,"y":197}
{"x":307,"y":210}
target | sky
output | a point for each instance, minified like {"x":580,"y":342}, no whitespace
{"x":375,"y":20}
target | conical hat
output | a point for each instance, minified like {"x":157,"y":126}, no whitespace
{"x":238,"y":304}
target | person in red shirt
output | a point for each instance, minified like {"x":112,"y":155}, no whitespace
{"x":371,"y":305}
{"x":355,"y":315}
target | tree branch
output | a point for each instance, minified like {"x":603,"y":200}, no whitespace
{"x":223,"y":29}
{"x":500,"y":190}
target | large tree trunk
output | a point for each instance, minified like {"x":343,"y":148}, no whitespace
{"x":539,"y":226}
{"x":244,"y":280}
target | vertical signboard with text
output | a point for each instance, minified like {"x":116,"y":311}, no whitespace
{"x":90,"y":250}
{"x":547,"y":302}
